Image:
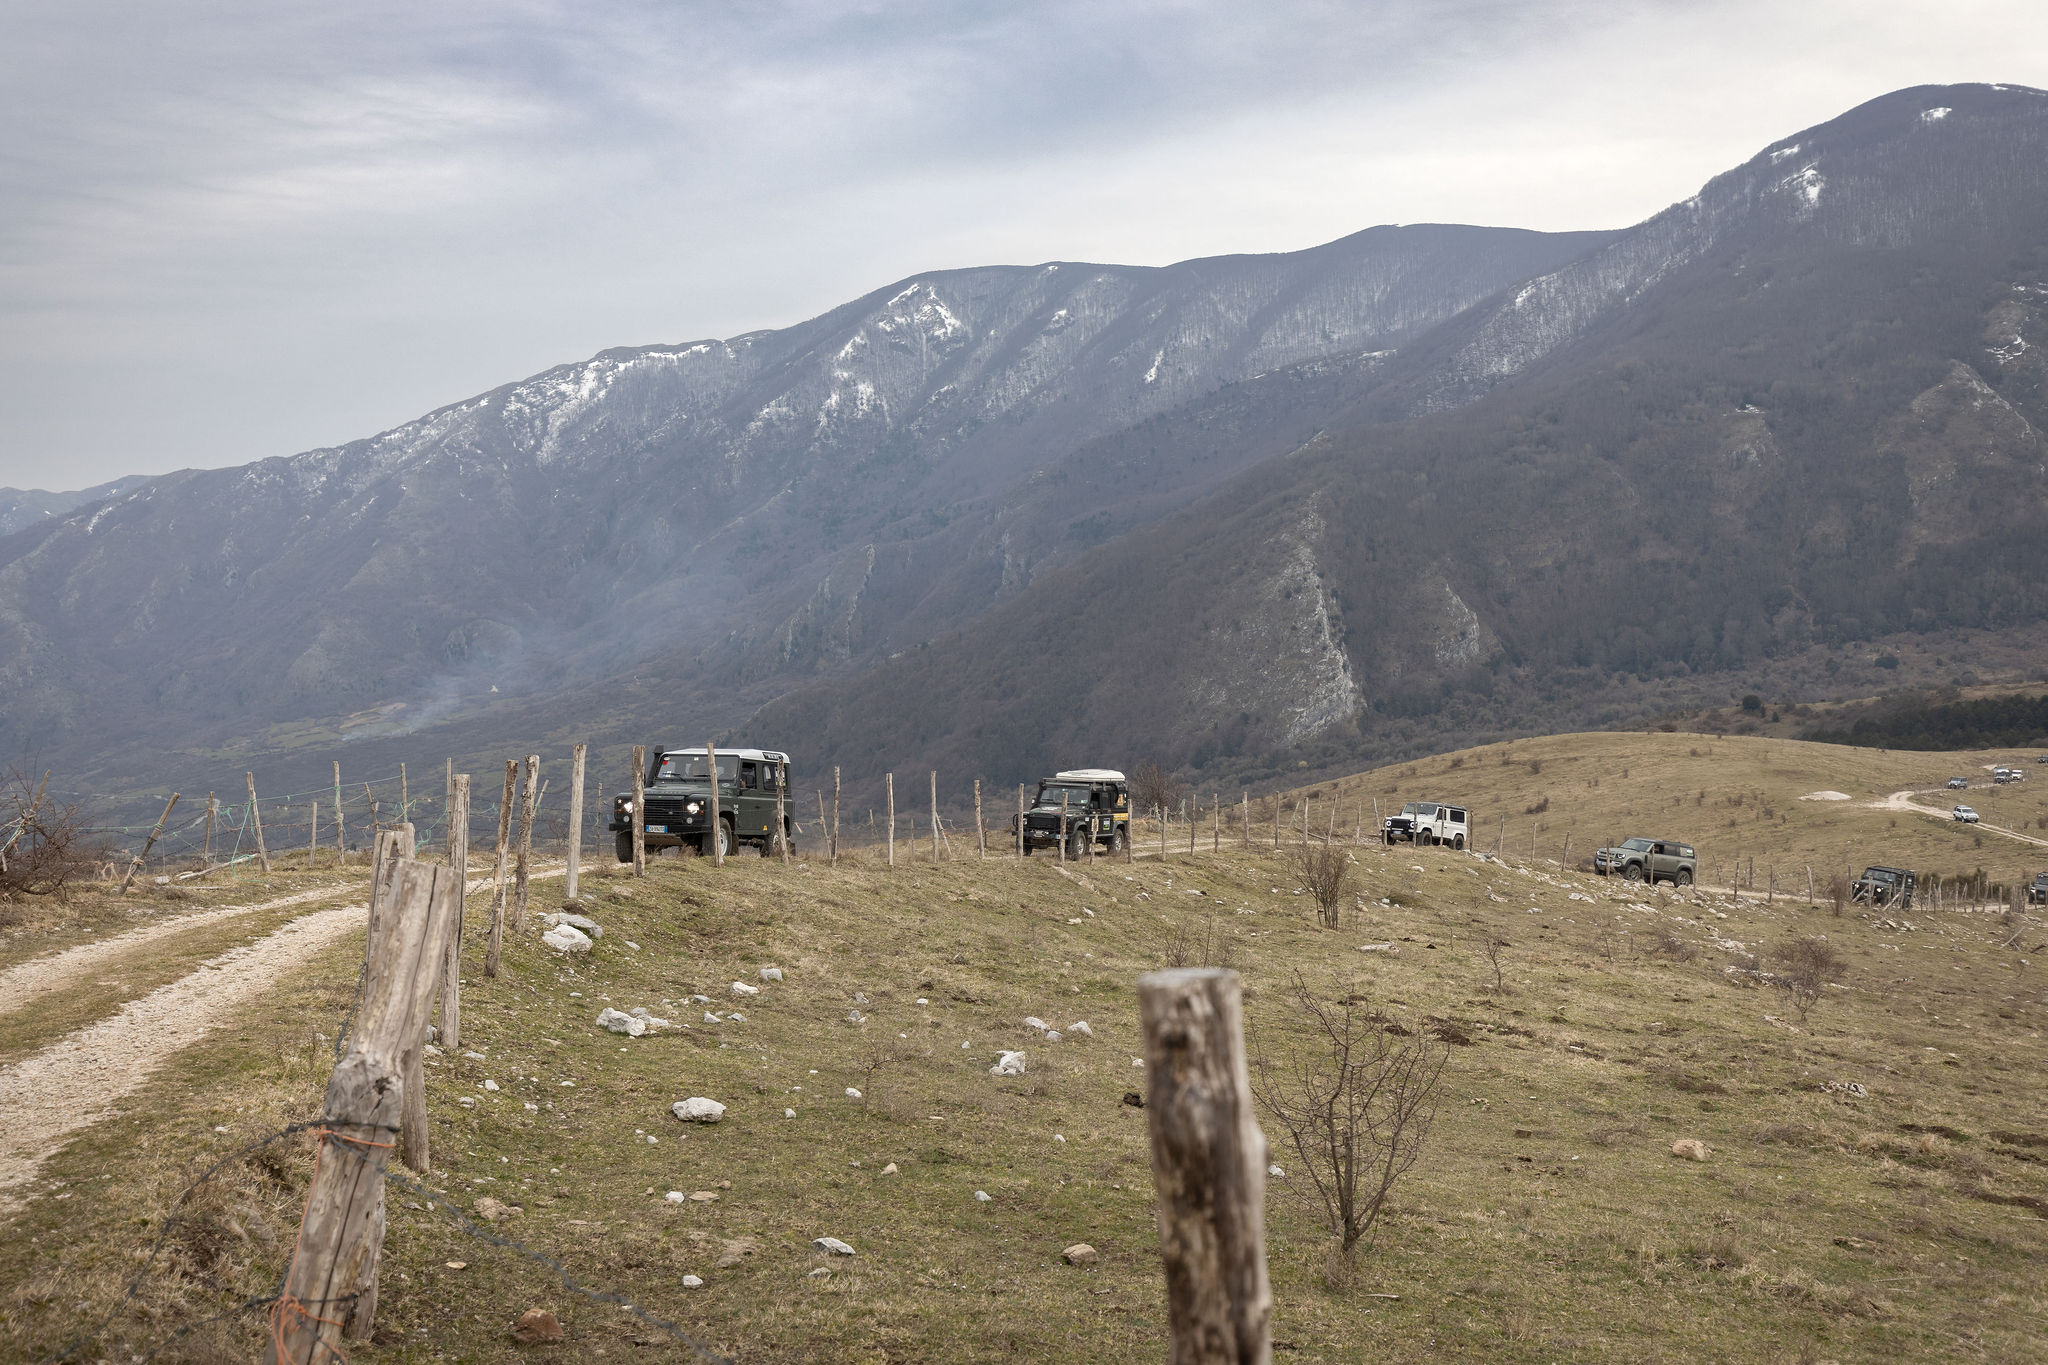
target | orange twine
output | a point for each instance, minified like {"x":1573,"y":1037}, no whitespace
{"x":287,"y":1302}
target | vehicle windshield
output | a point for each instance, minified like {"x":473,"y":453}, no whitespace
{"x":1881,"y":874}
{"x":674,"y":766}
{"x":1637,"y":845}
{"x":1419,"y":808}
{"x":1050,"y":794}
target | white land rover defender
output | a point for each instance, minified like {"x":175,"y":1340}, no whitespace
{"x":1428,"y":822}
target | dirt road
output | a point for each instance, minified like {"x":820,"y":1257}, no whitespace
{"x":1904,"y":801}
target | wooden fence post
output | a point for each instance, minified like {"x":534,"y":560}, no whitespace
{"x":980,"y":832}
{"x":206,"y":854}
{"x":1208,"y":1168}
{"x":1020,"y":819}
{"x":782,"y":808}
{"x":412,"y":1119}
{"x":576,"y":758}
{"x":889,"y":783}
{"x":387,"y":849}
{"x":256,"y":819}
{"x":313,"y":836}
{"x":1159,"y":809}
{"x":330,"y":1283}
{"x":451,"y":961}
{"x":523,"y":872}
{"x":717,"y":835}
{"x":639,"y":810}
{"x":404,"y":798}
{"x":1809,"y":883}
{"x":495,"y":945}
{"x":1063,"y":826}
{"x":340,"y":834}
{"x":835,"y":813}
{"x":1246,"y":799}
{"x":148,"y":844}
{"x":935,"y":817}
{"x":1276,"y":820}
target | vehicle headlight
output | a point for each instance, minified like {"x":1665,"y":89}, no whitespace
{"x":692,"y":807}
{"x":625,"y":807}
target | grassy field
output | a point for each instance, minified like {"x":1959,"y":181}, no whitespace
{"x":1548,"y":1219}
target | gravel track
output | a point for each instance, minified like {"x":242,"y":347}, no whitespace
{"x":81,"y":1079}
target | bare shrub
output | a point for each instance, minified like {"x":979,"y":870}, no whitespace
{"x":44,"y":844}
{"x":1324,"y":871}
{"x":1154,"y":788}
{"x":1669,"y":943}
{"x":1356,"y":1105}
{"x":1839,"y":889}
{"x":1495,"y":947}
{"x":1208,"y":947}
{"x":1802,"y":969}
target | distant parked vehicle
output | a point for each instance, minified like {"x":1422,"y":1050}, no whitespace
{"x":1083,"y":806}
{"x":677,"y":798}
{"x":1956,"y":784}
{"x":1648,"y":860}
{"x":2037,"y":894}
{"x":2001,"y":776}
{"x":1428,"y":822}
{"x":1964,"y":814}
{"x":1884,"y":886}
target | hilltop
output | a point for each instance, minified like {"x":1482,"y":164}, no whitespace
{"x":1873,"y":1183}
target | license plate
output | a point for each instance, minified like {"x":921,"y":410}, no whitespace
{"x":656,"y":829}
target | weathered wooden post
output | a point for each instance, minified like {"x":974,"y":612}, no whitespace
{"x":717,"y":835}
{"x":1020,"y":819}
{"x":412,"y":1121}
{"x":835,"y":813}
{"x":330,"y":1285}
{"x":256,"y":819}
{"x":782,"y":808}
{"x":404,"y":798}
{"x":1276,"y":820}
{"x":340,"y":834}
{"x":889,"y":785}
{"x":1246,"y":798}
{"x":639,"y":811}
{"x":980,"y":832}
{"x":1809,"y":883}
{"x":495,"y":945}
{"x":148,"y":844}
{"x":1159,"y":809}
{"x":206,"y":854}
{"x":313,"y":836}
{"x":523,"y":872}
{"x":1215,"y":822}
{"x":451,"y":961}
{"x":1304,"y":819}
{"x":935,"y":817}
{"x":1208,"y":1168}
{"x":1063,"y":827}
{"x":576,"y":757}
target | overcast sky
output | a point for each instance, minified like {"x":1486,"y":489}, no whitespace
{"x":231,"y":230}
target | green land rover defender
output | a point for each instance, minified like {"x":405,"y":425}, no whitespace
{"x":677,"y":802}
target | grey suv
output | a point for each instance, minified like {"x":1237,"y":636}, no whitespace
{"x":1648,"y":860}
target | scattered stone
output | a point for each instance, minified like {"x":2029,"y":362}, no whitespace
{"x":491,"y":1210}
{"x":474,"y":1056}
{"x":1379,"y":948}
{"x":630,"y":944}
{"x":1053,"y":1035}
{"x":1009,"y":1064}
{"x":584,"y":923}
{"x":1081,"y":1027}
{"x":711,"y":1018}
{"x":1035,"y":1023}
{"x":742,"y":988}
{"x":1851,"y":1088}
{"x":620,"y":1022}
{"x":1276,"y":1173}
{"x":704,"y":1196}
{"x":820,"y":1273}
{"x":789,"y":1113}
{"x":771,"y":973}
{"x":538,"y":1325}
{"x":675,"y":1196}
{"x":890,"y":1169}
{"x":851,"y":1093}
{"x":566,"y":938}
{"x":490,"y":1085}
{"x":697,"y":1109}
{"x":1692,"y":1149}
{"x":1081,"y":1254}
{"x":832,"y":1246}
{"x":456,"y":1265}
{"x":855,"y":1017}
{"x":466,"y":1101}
{"x":922,"y":1001}
{"x":692,"y":1282}
{"x":983,"y":1197}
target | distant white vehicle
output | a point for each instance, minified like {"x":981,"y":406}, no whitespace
{"x":1428,"y":822}
{"x":1964,"y":814}
{"x":2003,"y":775}
{"x":1956,"y":784}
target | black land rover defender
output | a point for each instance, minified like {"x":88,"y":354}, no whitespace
{"x":1098,"y":811}
{"x":1884,"y":886}
{"x":678,"y":802}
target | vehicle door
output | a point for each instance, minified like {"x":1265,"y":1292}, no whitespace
{"x":748,"y":819}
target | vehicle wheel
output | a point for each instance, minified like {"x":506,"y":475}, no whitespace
{"x":1077,"y":845}
{"x":1632,"y":873}
{"x":1684,"y":877}
{"x":625,"y":843}
{"x":1027,"y":849}
{"x":1458,"y":842}
{"x":724,"y":839}
{"x":767,"y":847}
{"x":1118,"y":837}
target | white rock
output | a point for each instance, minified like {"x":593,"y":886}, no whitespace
{"x":566,"y":938}
{"x":1059,"y":1137}
{"x":1034,"y":1022}
{"x":619,"y":1022}
{"x":789,"y":1113}
{"x":692,"y":1282}
{"x":468,"y":1101}
{"x":700,"y":999}
{"x":641,"y":1012}
{"x":630,"y":944}
{"x":922,"y":1001}
{"x":1009,"y":1064}
{"x":851,"y":1093}
{"x":676,"y":1197}
{"x":697,"y":1109}
{"x":832,"y":1245}
{"x":1053,"y":1036}
{"x":855,"y":1017}
{"x":736,"y":1017}
{"x":771,"y":973}
{"x":711,"y":1018}
{"x":583,"y":922}
{"x":474,"y":1056}
{"x":1081,"y":1027}
{"x":490,"y":1085}
{"x":1276,"y":1173}
{"x":983,"y":1197}
{"x":742,"y":988}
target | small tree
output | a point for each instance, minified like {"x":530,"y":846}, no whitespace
{"x":1154,"y":788}
{"x":1325,"y":873}
{"x":1839,"y":889}
{"x":1355,"y":1104}
{"x":1802,"y":968}
{"x":1495,"y":947}
{"x":44,"y":844}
